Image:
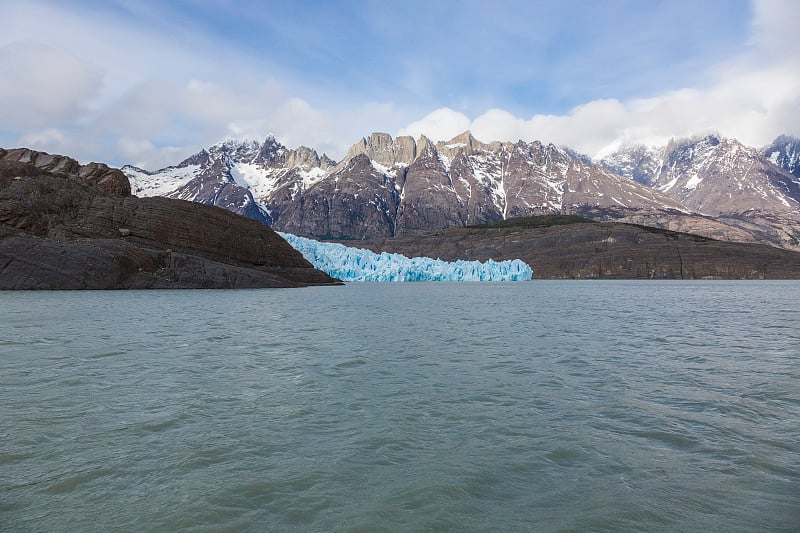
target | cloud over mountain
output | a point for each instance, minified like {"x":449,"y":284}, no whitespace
{"x":147,"y":83}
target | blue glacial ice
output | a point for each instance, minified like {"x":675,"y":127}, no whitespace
{"x":355,"y":264}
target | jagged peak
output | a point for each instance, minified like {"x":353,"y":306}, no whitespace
{"x":326,"y":162}
{"x":574,"y":154}
{"x":383,"y":149}
{"x":425,"y":145}
{"x":463,"y":142}
{"x":379,"y":138}
{"x":232,"y":142}
{"x":711,"y":138}
{"x":463,"y":138}
{"x":303,"y":157}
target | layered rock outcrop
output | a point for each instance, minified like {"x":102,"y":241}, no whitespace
{"x":381,"y":148}
{"x":111,"y":180}
{"x":77,"y":227}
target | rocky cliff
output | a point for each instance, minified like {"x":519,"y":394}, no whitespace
{"x":108,"y":179}
{"x":67,"y":226}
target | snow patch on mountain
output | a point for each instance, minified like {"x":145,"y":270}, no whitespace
{"x":692,"y":183}
{"x":161,"y":183}
{"x":260,"y":181}
{"x":785,"y":153}
{"x":311,"y":176}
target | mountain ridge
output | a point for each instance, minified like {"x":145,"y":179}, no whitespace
{"x":720,"y":178}
{"x":418,"y":185}
{"x":392,"y":186}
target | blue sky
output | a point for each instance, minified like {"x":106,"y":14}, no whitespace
{"x":146,"y":82}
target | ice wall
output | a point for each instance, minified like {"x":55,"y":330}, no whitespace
{"x":355,"y":264}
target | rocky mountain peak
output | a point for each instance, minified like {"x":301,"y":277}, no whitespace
{"x":239,"y":150}
{"x":201,"y":158}
{"x":381,"y":148}
{"x":326,"y":163}
{"x":425,"y":147}
{"x":711,"y":174}
{"x":464,"y":143}
{"x":401,"y":186}
{"x":303,"y":157}
{"x":637,"y":162}
{"x":270,"y":149}
{"x":697,"y":146}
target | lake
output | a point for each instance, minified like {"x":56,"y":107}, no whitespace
{"x":540,"y":406}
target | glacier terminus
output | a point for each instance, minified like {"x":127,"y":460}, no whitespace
{"x":356,"y":264}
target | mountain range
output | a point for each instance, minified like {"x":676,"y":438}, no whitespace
{"x":394,"y":187}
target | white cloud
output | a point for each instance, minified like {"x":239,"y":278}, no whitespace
{"x":41,"y":85}
{"x":143,"y":154}
{"x":156,"y":97}
{"x":95,"y":86}
{"x":134,"y":148}
{"x":775,"y":26}
{"x":753,"y":97}
{"x":45,"y":138}
{"x":441,"y":124}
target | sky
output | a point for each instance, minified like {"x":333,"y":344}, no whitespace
{"x":151,"y":82}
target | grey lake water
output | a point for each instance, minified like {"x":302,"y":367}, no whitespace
{"x":541,"y":406}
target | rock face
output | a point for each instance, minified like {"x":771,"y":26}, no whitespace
{"x":781,"y":230}
{"x":108,"y":179}
{"x":60,"y":230}
{"x":558,"y":247}
{"x":356,"y":201}
{"x":381,"y":148}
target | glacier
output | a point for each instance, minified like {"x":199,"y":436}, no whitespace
{"x":356,"y":264}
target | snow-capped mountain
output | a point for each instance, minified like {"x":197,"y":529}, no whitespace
{"x":785,"y":152}
{"x":639,"y":163}
{"x":712,"y":175}
{"x":389,"y":187}
{"x":743,"y":195}
{"x":235,"y":175}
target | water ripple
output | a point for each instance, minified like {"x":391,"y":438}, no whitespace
{"x":542,"y":406}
